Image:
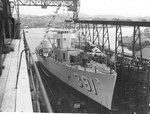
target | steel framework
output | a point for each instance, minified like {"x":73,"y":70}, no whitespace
{"x":72,"y":5}
{"x":136,"y":38}
{"x":105,"y":38}
{"x":130,"y":69}
{"x":92,"y":29}
{"x":45,"y":3}
{"x":119,"y":36}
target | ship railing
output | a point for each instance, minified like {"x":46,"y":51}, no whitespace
{"x":77,"y":65}
{"x":89,"y":68}
{"x":38,"y":92}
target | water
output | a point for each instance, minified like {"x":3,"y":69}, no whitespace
{"x":34,"y":37}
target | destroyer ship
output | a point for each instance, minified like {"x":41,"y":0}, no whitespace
{"x":76,"y":67}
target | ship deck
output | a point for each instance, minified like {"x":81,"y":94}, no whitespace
{"x":92,"y":67}
{"x":15,"y":95}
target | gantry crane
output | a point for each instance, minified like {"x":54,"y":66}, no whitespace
{"x":9,"y":27}
{"x":72,"y":5}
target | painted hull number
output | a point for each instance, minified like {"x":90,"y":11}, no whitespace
{"x":86,"y":83}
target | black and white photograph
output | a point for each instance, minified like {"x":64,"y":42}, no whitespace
{"x":75,"y":56}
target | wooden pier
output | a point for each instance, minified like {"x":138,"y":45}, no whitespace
{"x":15,"y":95}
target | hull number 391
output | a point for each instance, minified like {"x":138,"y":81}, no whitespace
{"x":86,"y":83}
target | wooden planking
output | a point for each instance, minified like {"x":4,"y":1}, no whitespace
{"x":23,"y":101}
{"x":4,"y":75}
{"x":9,"y":98}
{"x":12,"y":99}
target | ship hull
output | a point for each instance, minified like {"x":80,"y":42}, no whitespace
{"x":99,"y":87}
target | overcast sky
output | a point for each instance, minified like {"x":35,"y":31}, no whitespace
{"x":101,"y":7}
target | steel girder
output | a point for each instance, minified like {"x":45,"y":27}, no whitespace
{"x":119,"y":36}
{"x":44,"y":2}
{"x":105,"y":39}
{"x":96,"y":34}
{"x":123,"y":23}
{"x":73,"y":5}
{"x":136,"y":39}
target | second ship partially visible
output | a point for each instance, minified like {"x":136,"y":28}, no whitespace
{"x":76,"y":67}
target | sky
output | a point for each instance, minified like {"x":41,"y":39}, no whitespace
{"x":129,"y":8}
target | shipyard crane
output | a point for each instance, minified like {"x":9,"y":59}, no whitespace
{"x":72,"y":5}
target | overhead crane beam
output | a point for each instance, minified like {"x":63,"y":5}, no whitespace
{"x":73,"y":5}
{"x":123,"y":23}
{"x":44,"y":2}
